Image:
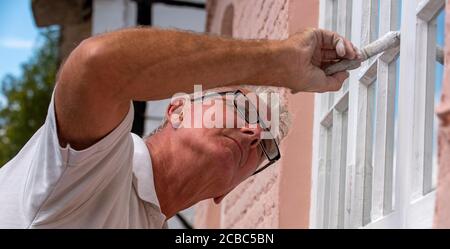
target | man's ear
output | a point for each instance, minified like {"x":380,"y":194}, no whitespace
{"x":174,"y":112}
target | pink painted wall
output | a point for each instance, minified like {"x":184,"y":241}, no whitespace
{"x":295,"y":179}
{"x":442,"y":215}
{"x":279,"y":197}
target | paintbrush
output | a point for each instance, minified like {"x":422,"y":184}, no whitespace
{"x":388,"y":41}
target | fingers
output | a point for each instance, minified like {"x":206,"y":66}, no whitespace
{"x":328,"y":39}
{"x":358,"y":52}
{"x":335,"y":81}
{"x":340,"y":48}
{"x":331,"y":40}
{"x":329,"y":54}
{"x":350,"y":52}
{"x":326,"y":63}
{"x":345,"y":49}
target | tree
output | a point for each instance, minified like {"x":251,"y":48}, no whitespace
{"x":28,"y":97}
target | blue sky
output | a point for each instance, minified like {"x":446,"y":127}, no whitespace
{"x":18,"y":35}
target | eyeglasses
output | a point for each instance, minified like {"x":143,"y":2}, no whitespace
{"x":248,"y":112}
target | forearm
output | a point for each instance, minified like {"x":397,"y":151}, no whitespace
{"x":151,"y":64}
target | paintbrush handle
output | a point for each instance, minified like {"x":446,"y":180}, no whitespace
{"x":388,"y":41}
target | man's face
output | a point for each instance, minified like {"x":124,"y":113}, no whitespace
{"x":224,"y":149}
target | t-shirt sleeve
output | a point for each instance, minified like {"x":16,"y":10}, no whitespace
{"x":61,"y":179}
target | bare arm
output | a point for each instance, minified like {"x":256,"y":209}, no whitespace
{"x":105,"y":72}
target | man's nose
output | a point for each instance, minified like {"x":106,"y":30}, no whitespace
{"x":251,"y":135}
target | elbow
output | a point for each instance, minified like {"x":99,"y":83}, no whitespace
{"x":90,"y":55}
{"x":85,"y":64}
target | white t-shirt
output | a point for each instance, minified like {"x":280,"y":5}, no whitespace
{"x":108,"y":185}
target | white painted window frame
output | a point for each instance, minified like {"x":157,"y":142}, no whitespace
{"x":357,"y":182}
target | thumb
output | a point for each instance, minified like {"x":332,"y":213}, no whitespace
{"x":335,"y":81}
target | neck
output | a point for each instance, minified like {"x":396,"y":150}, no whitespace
{"x":174,"y":189}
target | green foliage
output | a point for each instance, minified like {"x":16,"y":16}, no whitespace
{"x":28,"y":97}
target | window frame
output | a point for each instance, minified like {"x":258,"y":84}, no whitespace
{"x":357,"y":181}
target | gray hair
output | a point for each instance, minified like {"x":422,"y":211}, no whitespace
{"x":158,"y":129}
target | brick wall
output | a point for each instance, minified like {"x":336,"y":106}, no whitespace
{"x":254,"y":203}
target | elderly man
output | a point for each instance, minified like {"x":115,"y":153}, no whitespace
{"x":84,"y":169}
